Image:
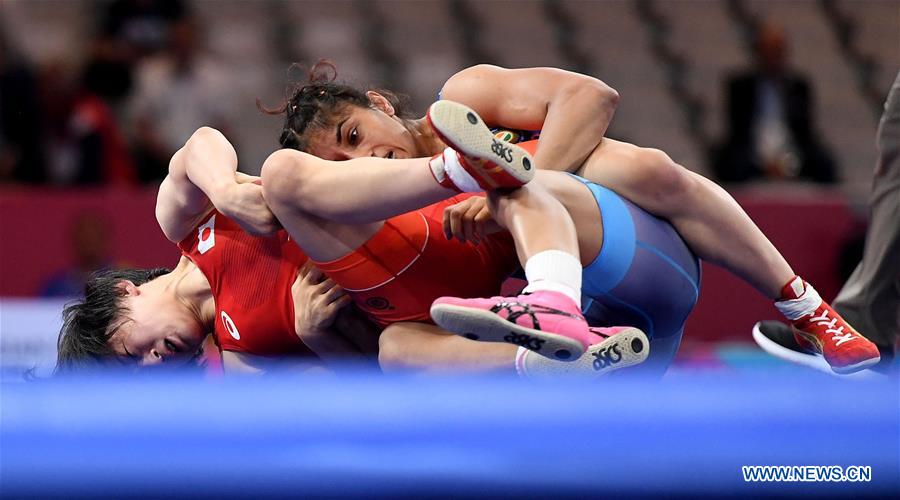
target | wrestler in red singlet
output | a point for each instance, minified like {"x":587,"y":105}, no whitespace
{"x":405,"y":266}
{"x":251,"y":279}
{"x":402,"y":269}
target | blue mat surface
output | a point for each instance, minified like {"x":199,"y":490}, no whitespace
{"x":369,"y":435}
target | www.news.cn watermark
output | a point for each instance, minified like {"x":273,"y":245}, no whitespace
{"x":806,"y":473}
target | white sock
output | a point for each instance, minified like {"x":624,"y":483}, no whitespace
{"x":554,"y":270}
{"x":462,"y":179}
{"x":807,"y":303}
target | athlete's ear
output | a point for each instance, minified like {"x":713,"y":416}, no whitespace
{"x":380,"y":102}
{"x":127,"y":288}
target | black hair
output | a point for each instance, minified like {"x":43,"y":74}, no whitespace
{"x":320,"y":102}
{"x":89,"y":323}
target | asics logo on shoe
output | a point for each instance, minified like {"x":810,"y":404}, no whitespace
{"x":502,"y":150}
{"x":606,"y":356}
{"x":525,"y":341}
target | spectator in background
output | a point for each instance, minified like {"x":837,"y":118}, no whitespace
{"x":89,"y":237}
{"x":21,"y":154}
{"x":90,"y":148}
{"x":93,"y":149}
{"x":178,"y":91}
{"x":770,"y":114}
{"x":142,"y":25}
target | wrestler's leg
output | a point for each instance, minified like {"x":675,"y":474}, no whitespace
{"x":537,"y":221}
{"x":615,"y":287}
{"x":718,"y":230}
{"x":701,"y":211}
{"x":424,"y":348}
{"x":547,"y":316}
{"x":531,"y":213}
{"x":518,"y":212}
{"x":303,"y":191}
{"x":321,"y":239}
{"x":357,"y":191}
{"x":421,"y":347}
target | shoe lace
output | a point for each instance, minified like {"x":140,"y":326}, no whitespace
{"x":598,"y":331}
{"x":837,"y":334}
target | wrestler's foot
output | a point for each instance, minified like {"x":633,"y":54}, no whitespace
{"x":615,"y":348}
{"x":546,"y":322}
{"x":830,"y":335}
{"x":492,"y":162}
{"x":779,"y":340}
{"x":824,"y":331}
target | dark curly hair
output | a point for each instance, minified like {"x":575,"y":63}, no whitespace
{"x":89,"y":323}
{"x":321,"y":102}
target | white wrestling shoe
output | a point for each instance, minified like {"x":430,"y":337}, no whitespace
{"x":621,"y":347}
{"x":492,"y":162}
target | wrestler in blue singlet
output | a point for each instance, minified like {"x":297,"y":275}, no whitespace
{"x":644,"y":276}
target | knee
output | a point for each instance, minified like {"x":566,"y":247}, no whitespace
{"x":659,"y":174}
{"x":391,"y":352}
{"x":282,"y":177}
{"x":497,"y":203}
{"x":530,"y":196}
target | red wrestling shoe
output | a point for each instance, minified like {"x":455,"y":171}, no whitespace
{"x":492,"y":162}
{"x":824,"y":330}
{"x":546,"y":322}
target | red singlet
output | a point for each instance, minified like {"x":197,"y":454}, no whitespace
{"x":405,"y":266}
{"x":251,"y":278}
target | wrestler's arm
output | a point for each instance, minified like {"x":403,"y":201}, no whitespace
{"x":470,"y":220}
{"x":179,"y":204}
{"x":202,"y":175}
{"x":571,"y":110}
{"x":325,"y":324}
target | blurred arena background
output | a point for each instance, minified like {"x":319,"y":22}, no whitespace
{"x":97,"y":94}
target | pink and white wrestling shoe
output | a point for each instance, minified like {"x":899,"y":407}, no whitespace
{"x":621,"y":347}
{"x":493,"y":163}
{"x":546,"y":322}
{"x":614,"y":348}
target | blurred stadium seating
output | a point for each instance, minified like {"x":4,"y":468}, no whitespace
{"x":416,"y":45}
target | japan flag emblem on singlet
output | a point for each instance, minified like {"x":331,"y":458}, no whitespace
{"x":230,"y":326}
{"x":206,"y":235}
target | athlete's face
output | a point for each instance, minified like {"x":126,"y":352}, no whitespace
{"x":361,"y":132}
{"x":157,"y":329}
